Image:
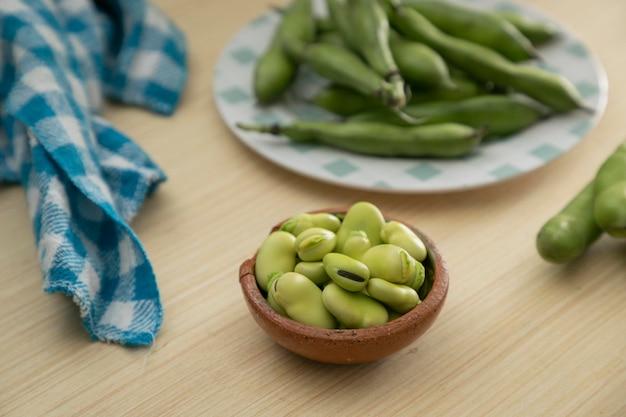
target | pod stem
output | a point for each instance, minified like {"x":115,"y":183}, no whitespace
{"x":587,"y":109}
{"x":407,"y":117}
{"x":273,"y":129}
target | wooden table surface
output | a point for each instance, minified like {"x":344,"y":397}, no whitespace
{"x":517,"y":336}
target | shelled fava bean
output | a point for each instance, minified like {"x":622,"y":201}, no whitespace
{"x":352,"y":272}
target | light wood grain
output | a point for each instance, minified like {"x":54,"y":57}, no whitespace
{"x":517,"y":337}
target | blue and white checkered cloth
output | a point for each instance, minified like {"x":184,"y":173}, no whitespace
{"x":84,"y":180}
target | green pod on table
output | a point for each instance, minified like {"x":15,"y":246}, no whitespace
{"x":348,"y":273}
{"x":536,"y":31}
{"x":442,"y":140}
{"x":302,"y":221}
{"x":314,"y":271}
{"x":353,"y":310}
{"x":344,"y":101}
{"x":302,"y":300}
{"x":501,"y":115}
{"x":341,"y":66}
{"x":609,"y":206}
{"x":391,"y":263}
{"x":356,"y":244}
{"x":400,"y":298}
{"x":568,"y":234}
{"x":485,"y":64}
{"x":315,"y":242}
{"x":399,"y":234}
{"x":277,"y":253}
{"x":362,"y":216}
{"x":419,"y":64}
{"x":475,"y":25}
{"x":274,"y":70}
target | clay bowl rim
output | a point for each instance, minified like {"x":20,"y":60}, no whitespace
{"x":429,"y":306}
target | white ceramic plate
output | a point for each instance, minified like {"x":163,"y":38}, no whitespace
{"x":492,"y":163}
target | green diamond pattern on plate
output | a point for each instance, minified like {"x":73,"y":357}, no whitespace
{"x":261,"y":21}
{"x":244,"y":55}
{"x":522,"y":153}
{"x":423,"y":171}
{"x":340,"y":168}
{"x":505,"y":171}
{"x":381,"y":184}
{"x":304,"y":147}
{"x":548,"y":67}
{"x":546,"y":152}
{"x":234,"y":95}
{"x":586,"y":89}
{"x":265,"y":118}
{"x":581,"y":129}
{"x":577,"y":50}
{"x":310,"y":113}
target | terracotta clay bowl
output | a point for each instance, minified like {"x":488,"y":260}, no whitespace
{"x":350,"y":346}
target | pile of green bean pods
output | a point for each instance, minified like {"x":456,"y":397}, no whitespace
{"x":343,"y":270}
{"x":412,"y":78}
{"x":599,"y":207}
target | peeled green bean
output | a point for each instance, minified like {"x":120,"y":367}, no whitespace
{"x":362,"y":216}
{"x":314,"y":271}
{"x":302,"y":221}
{"x":270,"y":293}
{"x":356,"y":244}
{"x":348,"y":273}
{"x":391,"y":263}
{"x":302,"y":300}
{"x":313,"y":243}
{"x":353,"y":310}
{"x":277,"y":253}
{"x":400,"y":298}
{"x":401,"y":235}
{"x":419,"y":278}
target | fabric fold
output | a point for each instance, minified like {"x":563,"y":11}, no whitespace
{"x":85,"y":180}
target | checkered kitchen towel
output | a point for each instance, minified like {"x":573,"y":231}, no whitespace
{"x":84,"y":180}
